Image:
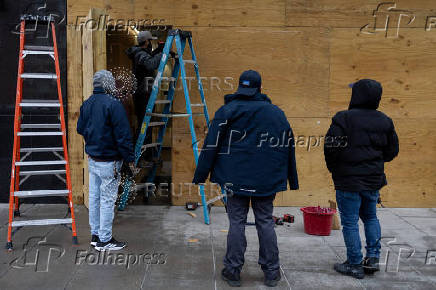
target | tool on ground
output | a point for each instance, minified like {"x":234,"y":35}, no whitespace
{"x":191,"y":205}
{"x":278,"y":221}
{"x":180,"y":38}
{"x":27,"y":129}
{"x":288,"y":218}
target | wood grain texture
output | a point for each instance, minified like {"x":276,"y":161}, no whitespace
{"x":94,"y":59}
{"x":74,"y":98}
{"x":357,"y":13}
{"x":402,"y":65}
{"x":307,"y":52}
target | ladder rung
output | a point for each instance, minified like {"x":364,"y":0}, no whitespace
{"x":197,"y":105}
{"x":43,"y":149}
{"x":38,"y":76}
{"x":37,"y":52}
{"x":162,"y":102}
{"x":42,"y":172}
{"x":41,"y":193}
{"x":39,"y":47}
{"x":151,"y":145}
{"x":151,"y":124}
{"x":39,"y":133}
{"x":34,"y":163}
{"x":40,"y":126}
{"x":36,"y":104}
{"x":167,"y":115}
{"x":44,"y":222}
{"x":190,"y":61}
{"x":40,"y":101}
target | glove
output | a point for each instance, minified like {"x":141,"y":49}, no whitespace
{"x":160,"y":47}
{"x":173,"y":54}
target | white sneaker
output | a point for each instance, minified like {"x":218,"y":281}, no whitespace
{"x":112,"y":245}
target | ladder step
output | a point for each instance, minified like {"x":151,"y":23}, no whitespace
{"x":40,"y":126}
{"x":150,"y":145}
{"x":162,"y":102}
{"x":41,"y":193}
{"x":190,"y":61}
{"x":167,"y":115}
{"x":35,"y":163}
{"x":39,"y":104}
{"x":44,"y":222}
{"x":38,"y":76}
{"x":151,"y":124}
{"x":39,"y":133}
{"x":44,"y":149}
{"x":39,"y":47}
{"x":42,"y":172}
{"x":197,"y":105}
{"x":37,"y":52}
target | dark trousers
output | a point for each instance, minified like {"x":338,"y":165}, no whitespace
{"x":237,"y":210}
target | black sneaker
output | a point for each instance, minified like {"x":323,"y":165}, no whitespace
{"x":94,"y":240}
{"x":353,"y":270}
{"x":273,"y":282}
{"x":371,"y":265}
{"x":112,"y":245}
{"x":231,"y":279}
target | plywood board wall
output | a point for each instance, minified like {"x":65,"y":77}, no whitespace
{"x":308,"y":52}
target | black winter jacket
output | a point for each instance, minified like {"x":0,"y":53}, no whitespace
{"x":360,"y":140}
{"x":104,"y":125}
{"x":247,"y":148}
{"x":144,"y":63}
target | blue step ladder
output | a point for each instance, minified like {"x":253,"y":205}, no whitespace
{"x":180,"y":37}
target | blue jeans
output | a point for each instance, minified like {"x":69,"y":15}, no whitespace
{"x":104,"y":178}
{"x":237,"y":210}
{"x":353,"y":205}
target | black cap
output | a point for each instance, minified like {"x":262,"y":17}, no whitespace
{"x":249,"y":83}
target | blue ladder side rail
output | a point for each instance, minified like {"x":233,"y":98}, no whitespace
{"x":180,"y":38}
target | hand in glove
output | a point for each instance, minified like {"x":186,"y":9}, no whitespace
{"x":159,"y":48}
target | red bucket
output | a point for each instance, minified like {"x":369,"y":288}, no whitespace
{"x":318,"y":220}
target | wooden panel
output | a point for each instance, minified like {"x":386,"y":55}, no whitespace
{"x":356,"y":13}
{"x":94,"y":59}
{"x":294,"y":64}
{"x":412,"y":176}
{"x":75,"y":97}
{"x":230,"y":13}
{"x":316,"y":186}
{"x":402,"y":65}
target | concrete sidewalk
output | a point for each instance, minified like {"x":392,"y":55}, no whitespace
{"x":169,"y":249}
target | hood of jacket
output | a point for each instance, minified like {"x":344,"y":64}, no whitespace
{"x":257,"y":97}
{"x":366,"y":94}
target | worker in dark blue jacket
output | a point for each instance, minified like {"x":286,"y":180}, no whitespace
{"x":250,"y":151}
{"x":104,"y":125}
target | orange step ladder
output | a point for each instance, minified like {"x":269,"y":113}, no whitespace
{"x":20,"y":166}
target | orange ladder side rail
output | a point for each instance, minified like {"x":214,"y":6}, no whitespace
{"x":17,"y":122}
{"x":64,"y":136}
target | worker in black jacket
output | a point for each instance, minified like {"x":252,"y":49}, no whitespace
{"x":360,"y":140}
{"x":145,"y":62}
{"x":249,"y":150}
